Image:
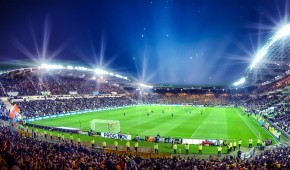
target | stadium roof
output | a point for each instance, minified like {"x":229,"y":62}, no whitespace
{"x":73,"y":72}
{"x":109,"y":76}
{"x":274,"y":60}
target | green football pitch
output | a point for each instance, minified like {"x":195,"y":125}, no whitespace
{"x":186,"y":122}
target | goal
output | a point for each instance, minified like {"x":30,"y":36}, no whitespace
{"x":102,"y":125}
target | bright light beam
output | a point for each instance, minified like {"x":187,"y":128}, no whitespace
{"x":42,"y":49}
{"x":283,"y":32}
{"x":145,"y":86}
{"x":240,"y":82}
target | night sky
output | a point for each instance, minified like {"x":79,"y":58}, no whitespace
{"x":167,"y":41}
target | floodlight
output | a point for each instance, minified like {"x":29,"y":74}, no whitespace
{"x":145,"y":86}
{"x":99,"y":71}
{"x":240,"y":82}
{"x":119,"y":76}
{"x":53,"y":66}
{"x":283,"y":32}
{"x":43,"y":66}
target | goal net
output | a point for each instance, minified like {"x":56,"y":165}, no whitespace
{"x":100,"y":125}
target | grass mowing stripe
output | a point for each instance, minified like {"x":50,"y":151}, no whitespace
{"x":246,"y":123}
{"x":215,"y":123}
{"x":195,"y":131}
{"x":201,"y":123}
{"x":276,"y":140}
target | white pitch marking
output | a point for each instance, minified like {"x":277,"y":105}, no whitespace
{"x":246,"y":124}
{"x":195,"y":131}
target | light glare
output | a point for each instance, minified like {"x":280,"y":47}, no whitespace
{"x":241,"y":81}
{"x":145,"y":86}
{"x":283,"y":32}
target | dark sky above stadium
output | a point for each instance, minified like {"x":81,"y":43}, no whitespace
{"x":156,"y":41}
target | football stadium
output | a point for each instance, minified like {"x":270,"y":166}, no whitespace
{"x":59,"y":113}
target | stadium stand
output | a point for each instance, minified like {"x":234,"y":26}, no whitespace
{"x":3,"y":111}
{"x":50,"y":90}
{"x":33,"y":83}
{"x":271,"y":102}
{"x":199,"y":97}
{"x":45,"y":155}
{"x":273,"y":106}
{"x":274,"y":86}
{"x":37,"y":108}
{"x":275,"y":109}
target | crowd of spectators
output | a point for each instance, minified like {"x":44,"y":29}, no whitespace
{"x":273,"y":107}
{"x":27,"y":153}
{"x":30,"y":85}
{"x":260,"y":103}
{"x":273,"y":86}
{"x":23,"y":152}
{"x":3,"y":111}
{"x":282,"y":116}
{"x":24,"y":86}
{"x":204,"y":98}
{"x":63,"y":85}
{"x":33,"y":84}
{"x":37,"y":108}
{"x":2,"y":108}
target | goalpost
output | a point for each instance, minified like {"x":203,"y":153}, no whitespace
{"x":102,"y":125}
